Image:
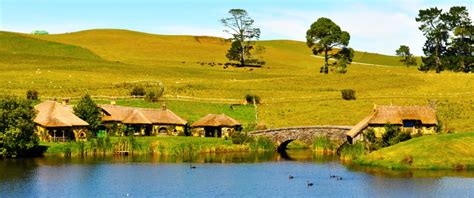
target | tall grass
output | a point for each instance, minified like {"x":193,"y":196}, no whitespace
{"x":349,"y":152}
{"x":155,"y":146}
{"x":324,"y":145}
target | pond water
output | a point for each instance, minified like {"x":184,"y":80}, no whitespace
{"x":224,"y":175}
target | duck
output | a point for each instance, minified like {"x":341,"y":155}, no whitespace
{"x":191,"y":166}
{"x":309,"y":183}
{"x":291,"y":177}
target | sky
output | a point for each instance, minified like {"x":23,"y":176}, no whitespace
{"x":379,"y":26}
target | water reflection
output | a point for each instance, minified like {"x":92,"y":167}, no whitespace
{"x":384,"y":172}
{"x":223,"y":175}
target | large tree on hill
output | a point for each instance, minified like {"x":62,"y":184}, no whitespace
{"x":436,"y":33}
{"x":449,"y":42}
{"x":323,"y":36}
{"x":240,"y":26}
{"x":88,"y":110}
{"x":17,"y":135}
{"x":462,"y":41}
{"x":406,"y":57}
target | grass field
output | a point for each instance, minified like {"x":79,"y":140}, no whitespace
{"x":445,"y":151}
{"x":293,"y":91}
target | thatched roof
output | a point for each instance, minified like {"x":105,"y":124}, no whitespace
{"x":54,"y":114}
{"x":216,"y":120}
{"x":395,"y":115}
{"x":132,"y":115}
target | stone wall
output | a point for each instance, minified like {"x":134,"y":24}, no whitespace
{"x":305,"y":134}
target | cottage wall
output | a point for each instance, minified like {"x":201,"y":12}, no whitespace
{"x":42,"y":133}
{"x":170,"y":129}
{"x":227,"y":131}
{"x":198,"y":132}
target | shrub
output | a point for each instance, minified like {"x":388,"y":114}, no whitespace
{"x":17,"y":135}
{"x":32,"y":94}
{"x":88,"y":110}
{"x":138,"y":91}
{"x":240,"y":137}
{"x":251,"y":97}
{"x":392,"y":136}
{"x":348,"y":94}
{"x":152,"y":96}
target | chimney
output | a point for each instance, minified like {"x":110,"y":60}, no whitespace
{"x":64,"y":101}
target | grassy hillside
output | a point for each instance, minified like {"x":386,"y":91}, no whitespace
{"x":446,"y":151}
{"x":102,"y":62}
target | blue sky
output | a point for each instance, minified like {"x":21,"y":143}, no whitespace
{"x":375,"y":26}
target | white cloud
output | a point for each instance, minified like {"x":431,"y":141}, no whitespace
{"x":371,"y":30}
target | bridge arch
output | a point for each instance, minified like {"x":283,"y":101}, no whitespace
{"x":307,"y":134}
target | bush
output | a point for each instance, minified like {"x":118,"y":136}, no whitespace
{"x":32,"y":94}
{"x":138,"y":91}
{"x":240,"y":137}
{"x":392,"y":136}
{"x":17,"y":135}
{"x":88,"y":111}
{"x":251,"y":97}
{"x":152,"y":96}
{"x":348,"y":94}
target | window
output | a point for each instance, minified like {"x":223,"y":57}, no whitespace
{"x":411,"y":123}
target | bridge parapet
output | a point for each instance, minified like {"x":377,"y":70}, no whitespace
{"x":306,"y":134}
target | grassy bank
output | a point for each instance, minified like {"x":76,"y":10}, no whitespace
{"x":153,"y":145}
{"x":445,"y":151}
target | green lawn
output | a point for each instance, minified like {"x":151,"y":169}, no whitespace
{"x":444,"y":151}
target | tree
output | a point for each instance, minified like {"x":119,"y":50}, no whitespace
{"x":323,"y":36}
{"x":449,"y":39}
{"x":87,"y":110}
{"x":461,"y":46}
{"x":17,"y":135}
{"x":343,"y":57}
{"x":240,"y":26}
{"x":436,"y":33}
{"x":406,"y":57}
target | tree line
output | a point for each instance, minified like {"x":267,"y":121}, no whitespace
{"x":449,"y":41}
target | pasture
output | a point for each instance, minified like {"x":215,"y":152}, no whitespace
{"x":293,"y":92}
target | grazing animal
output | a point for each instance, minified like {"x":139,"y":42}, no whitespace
{"x":309,"y":183}
{"x":291,"y":177}
{"x":192,"y":167}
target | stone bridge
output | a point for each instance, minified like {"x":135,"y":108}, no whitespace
{"x":283,"y":136}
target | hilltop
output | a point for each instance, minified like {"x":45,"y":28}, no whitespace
{"x":290,"y":85}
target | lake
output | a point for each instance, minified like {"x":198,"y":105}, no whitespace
{"x":221,"y":175}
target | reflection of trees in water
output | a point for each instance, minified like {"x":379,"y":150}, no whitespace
{"x":17,"y":169}
{"x":380,"y":171}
